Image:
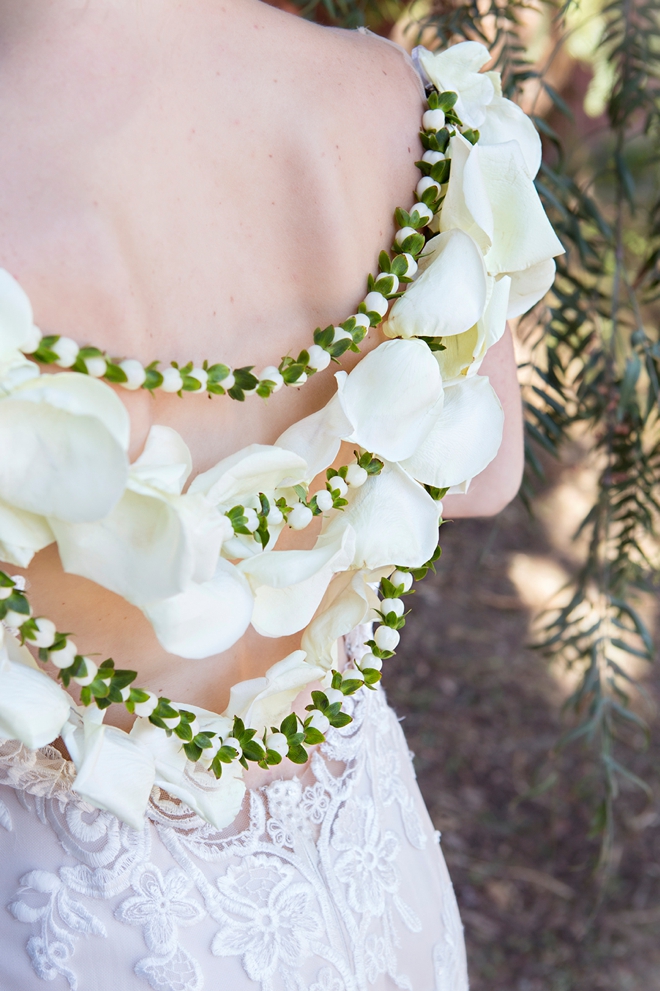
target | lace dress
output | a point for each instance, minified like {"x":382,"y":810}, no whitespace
{"x":331,"y":881}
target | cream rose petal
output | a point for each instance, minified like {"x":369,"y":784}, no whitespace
{"x":217,"y":800}
{"x":395,"y":521}
{"x":513,"y":220}
{"x":348,"y":601}
{"x":530,"y":286}
{"x":449,"y":294}
{"x":464,"y":354}
{"x":457,"y":69}
{"x":64,"y":447}
{"x":317,"y":438}
{"x":505,"y":121}
{"x":165,"y":462}
{"x":390,"y":398}
{"x":289,"y":585}
{"x":22,"y":534}
{"x":256,"y":468}
{"x":264,"y":702}
{"x":114,"y":773}
{"x":17,"y":329}
{"x":33,"y":709}
{"x":464,"y":440}
{"x":206,"y":619}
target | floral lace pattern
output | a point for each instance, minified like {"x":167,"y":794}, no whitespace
{"x":329,"y":881}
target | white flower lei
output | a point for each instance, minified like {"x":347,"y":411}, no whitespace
{"x":474,"y":249}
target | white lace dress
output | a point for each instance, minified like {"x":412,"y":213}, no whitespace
{"x":331,"y":881}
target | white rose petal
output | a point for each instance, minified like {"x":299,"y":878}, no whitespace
{"x":33,"y":709}
{"x":465,"y":438}
{"x":449,"y":293}
{"x":257,"y":468}
{"x":264,"y":702}
{"x":17,"y":331}
{"x":456,"y":69}
{"x":505,"y":121}
{"x":22,"y":534}
{"x":317,"y":438}
{"x":390,"y":396}
{"x":529,"y":286}
{"x":349,"y":600}
{"x":206,"y":619}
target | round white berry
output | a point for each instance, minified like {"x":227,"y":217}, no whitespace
{"x":125,"y":693}
{"x":172,"y":721}
{"x":66,"y":351}
{"x":6,"y":591}
{"x":324,"y":500}
{"x":402,"y":578}
{"x":404,"y":233}
{"x":361,"y":320}
{"x":371,"y":661}
{"x":433,"y":120}
{"x":202,"y":377}
{"x":300,"y":516}
{"x":356,"y":475}
{"x":392,"y":605}
{"x":44,"y":635}
{"x":228,"y":382}
{"x":426,"y":183}
{"x":274,"y":517}
{"x":386,"y":638}
{"x":423,"y":211}
{"x":338,"y":484}
{"x":134,"y":372}
{"x":320,"y":722}
{"x":411,"y":263}
{"x":375,"y":302}
{"x":433,"y":157}
{"x":252,"y":523}
{"x":301,"y":380}
{"x":148,"y":707}
{"x":172,"y":381}
{"x":96,"y":366}
{"x":341,"y":335}
{"x":15,"y":619}
{"x":387,"y":282}
{"x":318,"y":357}
{"x":277,"y":742}
{"x":64,"y":657}
{"x":88,"y":678}
{"x":272,"y":374}
{"x":231,"y":741}
{"x":352,"y":674}
{"x":334,"y":695}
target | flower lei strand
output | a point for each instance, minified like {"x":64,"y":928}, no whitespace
{"x":439,"y":123}
{"x":105,"y":685}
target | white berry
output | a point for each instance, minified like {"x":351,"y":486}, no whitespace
{"x":356,"y":475}
{"x":318,"y":357}
{"x":338,"y":484}
{"x":15,"y":619}
{"x":64,"y":657}
{"x":433,"y":120}
{"x":353,"y":674}
{"x":231,"y":741}
{"x":433,"y":157}
{"x":324,"y":500}
{"x":426,"y":183}
{"x":33,"y":342}
{"x":278,"y":742}
{"x":361,"y":320}
{"x":404,"y":233}
{"x":6,"y":591}
{"x":252,"y":523}
{"x":301,"y":380}
{"x":96,"y":367}
{"x":390,"y":278}
{"x":392,"y":605}
{"x":45,"y":635}
{"x":320,"y":722}
{"x":386,"y":638}
{"x":134,"y":372}
{"x":148,"y":707}
{"x":66,"y":351}
{"x":423,"y":211}
{"x":371,"y":661}
{"x":411,"y":263}
{"x":202,"y":377}
{"x":272,"y":374}
{"x":228,"y":382}
{"x":87,"y":679}
{"x":402,"y":578}
{"x":341,"y":335}
{"x":274,"y":517}
{"x":375,"y":302}
{"x":172,"y":381}
{"x":172,"y":721}
{"x":300,"y":516}
{"x":334,"y":695}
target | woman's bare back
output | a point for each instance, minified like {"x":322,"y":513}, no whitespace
{"x":190,"y":181}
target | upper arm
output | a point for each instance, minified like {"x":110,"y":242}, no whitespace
{"x":499,"y":482}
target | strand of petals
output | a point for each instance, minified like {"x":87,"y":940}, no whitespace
{"x":439,"y":123}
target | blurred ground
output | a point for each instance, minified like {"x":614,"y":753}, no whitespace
{"x":481,"y":713}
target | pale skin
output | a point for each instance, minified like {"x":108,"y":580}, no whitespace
{"x":204,"y":180}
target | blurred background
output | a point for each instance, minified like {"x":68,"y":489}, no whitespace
{"x":526,"y":676}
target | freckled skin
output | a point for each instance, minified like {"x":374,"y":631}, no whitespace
{"x":162,"y":198}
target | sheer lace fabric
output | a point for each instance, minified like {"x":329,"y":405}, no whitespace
{"x":329,"y":881}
